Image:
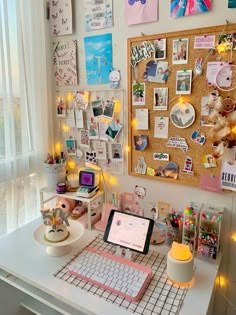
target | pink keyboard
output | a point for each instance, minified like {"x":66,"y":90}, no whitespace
{"x":115,"y":274}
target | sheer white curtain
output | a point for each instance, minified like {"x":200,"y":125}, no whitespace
{"x":25,"y":116}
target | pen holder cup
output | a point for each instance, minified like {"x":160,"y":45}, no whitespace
{"x":55,"y":173}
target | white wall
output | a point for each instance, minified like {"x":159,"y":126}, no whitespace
{"x":177,"y":195}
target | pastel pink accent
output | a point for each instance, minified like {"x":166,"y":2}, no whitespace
{"x":122,"y":261}
{"x":106,"y":209}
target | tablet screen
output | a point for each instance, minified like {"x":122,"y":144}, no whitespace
{"x":129,"y":231}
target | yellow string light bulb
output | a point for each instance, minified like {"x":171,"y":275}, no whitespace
{"x":117,"y":106}
{"x":71,"y":164}
{"x":58,"y":147}
{"x":233,"y":237}
{"x":65,"y":128}
{"x":113,"y":180}
{"x":134,"y":123}
{"x":233,"y":129}
{"x":127,"y":148}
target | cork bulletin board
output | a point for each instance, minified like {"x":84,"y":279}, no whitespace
{"x":199,"y":87}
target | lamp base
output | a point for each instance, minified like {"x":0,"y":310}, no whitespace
{"x":180,"y":271}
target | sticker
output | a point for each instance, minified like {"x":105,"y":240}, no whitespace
{"x":198,"y":137}
{"x":179,"y":143}
{"x":161,"y":156}
{"x":150,"y":171}
{"x":169,"y":171}
{"x":141,"y":167}
{"x":140,"y":142}
{"x":182,"y":115}
{"x":208,"y":161}
{"x":143,"y":51}
{"x":188,"y":166}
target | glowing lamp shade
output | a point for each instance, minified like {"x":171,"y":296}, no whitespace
{"x":180,"y":264}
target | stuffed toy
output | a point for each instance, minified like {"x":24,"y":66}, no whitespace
{"x":223,"y":116}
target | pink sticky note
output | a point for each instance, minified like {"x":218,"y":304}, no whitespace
{"x":140,"y":11}
{"x":210,"y":183}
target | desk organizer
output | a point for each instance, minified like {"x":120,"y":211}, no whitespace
{"x":160,"y":297}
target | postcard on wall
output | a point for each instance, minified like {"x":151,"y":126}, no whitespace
{"x":79,"y":119}
{"x":179,"y":8}
{"x":136,"y":12}
{"x":82,"y":99}
{"x":163,"y":209}
{"x":109,"y":107}
{"x":116,"y":152}
{"x":212,"y":68}
{"x":65,"y":64}
{"x":102,"y":128}
{"x":98,"y":58}
{"x":97,"y":108}
{"x":160,"y":98}
{"x":128,"y":201}
{"x":141,"y":116}
{"x":138,"y":94}
{"x":140,"y":142}
{"x":70,"y":117}
{"x":92,"y":129}
{"x":228,"y":175}
{"x":113,"y":130}
{"x":98,"y":14}
{"x":101,"y":150}
{"x":205,"y":112}
{"x":204,"y":42}
{"x":84,"y":138}
{"x":60,"y":17}
{"x":70,"y":146}
{"x":183,"y":82}
{"x":161,"y":127}
{"x":180,"y":51}
{"x":155,"y":71}
{"x":160,"y":48}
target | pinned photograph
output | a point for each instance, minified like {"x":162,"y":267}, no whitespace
{"x":70,"y":146}
{"x":116,"y":152}
{"x":160,"y":48}
{"x":92,"y":129}
{"x":138,"y":94}
{"x":84,"y":138}
{"x":61,"y":107}
{"x":109,"y":109}
{"x":208,"y":161}
{"x":160,"y":98}
{"x":180,"y":51}
{"x":140,"y":142}
{"x":97,"y":108}
{"x":183,"y":82}
{"x":113,"y":130}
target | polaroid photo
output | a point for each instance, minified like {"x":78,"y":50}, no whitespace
{"x":183,"y":81}
{"x":92,"y":130}
{"x":101,"y":150}
{"x":109,"y":109}
{"x":97,"y":108}
{"x":61,"y":107}
{"x":116,"y":152}
{"x":138,"y":94}
{"x":113,"y":130}
{"x":160,"y":98}
{"x":160,"y":48}
{"x":102,"y":128}
{"x":180,"y":51}
{"x":84,"y":138}
{"x":70,"y":146}
{"x":79,"y":119}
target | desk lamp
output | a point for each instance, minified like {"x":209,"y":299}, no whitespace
{"x":98,"y":168}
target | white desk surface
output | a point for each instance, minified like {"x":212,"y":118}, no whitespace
{"x":27,"y":260}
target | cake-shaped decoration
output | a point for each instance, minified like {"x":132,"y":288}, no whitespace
{"x":55,"y":228}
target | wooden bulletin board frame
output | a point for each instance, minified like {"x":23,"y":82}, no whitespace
{"x":199,"y":88}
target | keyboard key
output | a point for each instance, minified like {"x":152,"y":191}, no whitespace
{"x":115,"y":274}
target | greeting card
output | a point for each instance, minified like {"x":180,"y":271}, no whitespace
{"x":98,"y":14}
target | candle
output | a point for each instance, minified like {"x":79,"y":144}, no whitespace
{"x":73,"y":180}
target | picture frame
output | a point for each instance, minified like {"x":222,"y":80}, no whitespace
{"x":180,"y":51}
{"x":183,"y":81}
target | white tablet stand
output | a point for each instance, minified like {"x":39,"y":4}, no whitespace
{"x":124,"y":253}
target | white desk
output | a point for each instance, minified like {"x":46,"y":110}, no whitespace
{"x":26,"y":266}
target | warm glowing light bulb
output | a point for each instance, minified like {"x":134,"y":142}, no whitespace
{"x":65,"y":128}
{"x":71,"y":164}
{"x":117,"y":106}
{"x":233,"y":237}
{"x":221,"y":47}
{"x":233,"y":129}
{"x":222,"y":281}
{"x":127,"y":148}
{"x":113,"y":180}
{"x":181,"y":100}
{"x":134,"y":123}
{"x":58,"y":147}
{"x":69,"y":97}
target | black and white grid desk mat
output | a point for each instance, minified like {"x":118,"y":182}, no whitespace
{"x":161,"y":296}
